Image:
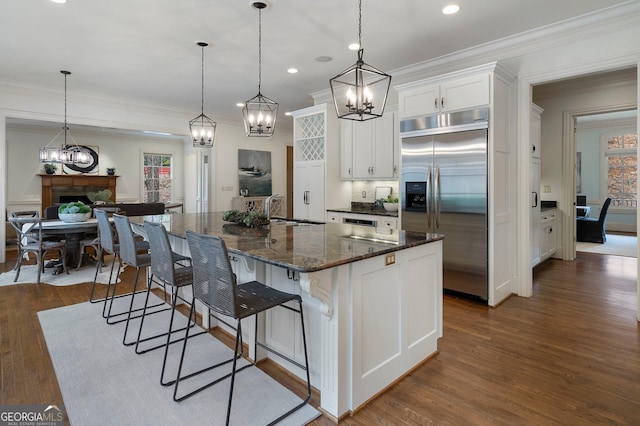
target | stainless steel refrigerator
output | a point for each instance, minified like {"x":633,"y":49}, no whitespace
{"x":444,"y":190}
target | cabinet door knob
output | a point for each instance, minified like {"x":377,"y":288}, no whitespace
{"x":442,"y":102}
{"x":435,"y":103}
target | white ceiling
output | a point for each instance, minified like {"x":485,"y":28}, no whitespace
{"x":144,"y":49}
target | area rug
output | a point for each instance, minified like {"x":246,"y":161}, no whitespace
{"x":618,"y":245}
{"x":29,"y":274}
{"x":104,"y":382}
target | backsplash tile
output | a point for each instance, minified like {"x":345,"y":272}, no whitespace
{"x":368,"y":189}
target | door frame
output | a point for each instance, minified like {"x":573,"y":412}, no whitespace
{"x":523,"y":271}
{"x":569,"y":170}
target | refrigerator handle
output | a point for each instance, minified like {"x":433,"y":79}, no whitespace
{"x":436,"y":198}
{"x":428,"y":197}
{"x":535,"y":199}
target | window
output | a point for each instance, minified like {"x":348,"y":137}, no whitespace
{"x":621,"y":164}
{"x":158,"y":173}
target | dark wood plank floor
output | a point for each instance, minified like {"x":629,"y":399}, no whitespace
{"x":568,"y":355}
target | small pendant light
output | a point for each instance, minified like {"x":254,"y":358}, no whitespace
{"x":202,"y":128}
{"x":360,"y":92}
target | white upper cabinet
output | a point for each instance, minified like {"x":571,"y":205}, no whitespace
{"x":346,"y":149}
{"x":368,"y":148}
{"x":446,"y":95}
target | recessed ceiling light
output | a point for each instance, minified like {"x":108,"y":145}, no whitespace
{"x":240,"y":104}
{"x":354,"y":46}
{"x":287,"y":113}
{"x":324,"y":59}
{"x":292,"y":70}
{"x":59,"y":1}
{"x":451,"y":9}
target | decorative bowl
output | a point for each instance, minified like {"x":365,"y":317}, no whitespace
{"x":74,"y":217}
{"x":390,"y":207}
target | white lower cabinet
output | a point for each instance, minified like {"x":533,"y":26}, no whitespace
{"x":547,"y":236}
{"x":308,"y":191}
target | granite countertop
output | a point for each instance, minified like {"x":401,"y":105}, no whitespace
{"x":365,"y":208}
{"x":307,"y":248}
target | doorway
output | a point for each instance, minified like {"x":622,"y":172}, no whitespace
{"x":606,"y":155}
{"x":565,"y":103}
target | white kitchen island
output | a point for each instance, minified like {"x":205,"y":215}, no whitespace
{"x":372,"y":300}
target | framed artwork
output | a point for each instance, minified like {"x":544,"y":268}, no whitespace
{"x":254,"y":173}
{"x":86,"y":168}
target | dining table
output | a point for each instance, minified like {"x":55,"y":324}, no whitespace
{"x":73,"y":233}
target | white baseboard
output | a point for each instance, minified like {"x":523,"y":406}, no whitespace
{"x":621,"y":227}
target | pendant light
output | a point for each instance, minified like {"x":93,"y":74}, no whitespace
{"x":202,"y":128}
{"x":260,"y":112}
{"x":66,"y":154}
{"x":360,"y":91}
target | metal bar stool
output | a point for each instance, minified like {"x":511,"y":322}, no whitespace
{"x":215,"y":285}
{"x":167,"y":270}
{"x":130,"y":254}
{"x":109,"y":246}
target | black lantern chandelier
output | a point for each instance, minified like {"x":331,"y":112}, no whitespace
{"x":202,"y":128}
{"x":65,"y":154}
{"x":360,"y":91}
{"x":260,"y":112}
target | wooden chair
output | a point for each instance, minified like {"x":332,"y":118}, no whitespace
{"x":31,"y":240}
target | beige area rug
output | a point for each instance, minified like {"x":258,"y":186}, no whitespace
{"x":105,"y":383}
{"x":29,"y":273}
{"x":618,"y":245}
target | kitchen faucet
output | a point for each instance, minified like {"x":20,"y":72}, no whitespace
{"x":267,"y":205}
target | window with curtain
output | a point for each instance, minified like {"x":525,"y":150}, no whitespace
{"x":621,"y":167}
{"x":158,"y":174}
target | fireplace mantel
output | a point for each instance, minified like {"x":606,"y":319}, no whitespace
{"x":79,"y":182}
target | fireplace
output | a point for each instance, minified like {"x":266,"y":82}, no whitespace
{"x":67,"y":188}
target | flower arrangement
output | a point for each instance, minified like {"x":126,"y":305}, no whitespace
{"x":74,"y":207}
{"x":390,"y":203}
{"x":251,"y":219}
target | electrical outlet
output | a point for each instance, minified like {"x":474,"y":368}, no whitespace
{"x":546,"y":189}
{"x":390,"y":259}
{"x":364,"y":194}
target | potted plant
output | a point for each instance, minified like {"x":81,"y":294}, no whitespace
{"x":111,"y":171}
{"x":390,"y":203}
{"x":50,"y":168}
{"x":76,"y":211}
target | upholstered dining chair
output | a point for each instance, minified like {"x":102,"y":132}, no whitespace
{"x":591,"y":229}
{"x":31,"y":240}
{"x":215,"y":286}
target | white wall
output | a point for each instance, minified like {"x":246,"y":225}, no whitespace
{"x":123,"y":151}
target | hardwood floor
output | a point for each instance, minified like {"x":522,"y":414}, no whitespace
{"x":568,"y":355}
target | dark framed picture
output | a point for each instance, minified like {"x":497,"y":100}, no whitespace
{"x":254,"y":173}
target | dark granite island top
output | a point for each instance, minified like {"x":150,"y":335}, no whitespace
{"x":302,"y":247}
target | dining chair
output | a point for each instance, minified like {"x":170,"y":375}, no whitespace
{"x":31,"y":240}
{"x":176,"y":277}
{"x":591,"y":229}
{"x":94,"y":240}
{"x":216,"y":287}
